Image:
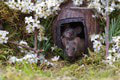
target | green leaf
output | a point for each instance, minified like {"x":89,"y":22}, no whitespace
{"x":114,"y":28}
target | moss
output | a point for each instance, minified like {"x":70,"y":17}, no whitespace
{"x":66,"y":72}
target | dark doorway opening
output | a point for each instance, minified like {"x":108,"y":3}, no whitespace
{"x":76,"y":26}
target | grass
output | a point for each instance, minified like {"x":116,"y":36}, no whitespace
{"x":62,"y":70}
{"x":114,"y":27}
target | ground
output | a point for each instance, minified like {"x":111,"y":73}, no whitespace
{"x":62,"y":70}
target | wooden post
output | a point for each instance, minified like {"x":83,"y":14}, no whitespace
{"x":107,"y":29}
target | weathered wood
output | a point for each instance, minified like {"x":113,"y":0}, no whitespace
{"x":70,"y":13}
{"x":80,"y":8}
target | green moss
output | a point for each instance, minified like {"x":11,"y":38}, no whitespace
{"x":81,"y":72}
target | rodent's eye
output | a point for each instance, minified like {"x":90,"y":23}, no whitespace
{"x":73,"y":49}
{"x":67,"y":49}
{"x":67,"y":42}
{"x":74,"y":43}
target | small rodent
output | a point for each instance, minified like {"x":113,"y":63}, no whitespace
{"x":78,"y":29}
{"x":73,"y":48}
{"x":69,"y":33}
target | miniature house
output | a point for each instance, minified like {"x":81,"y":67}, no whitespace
{"x":72,"y":15}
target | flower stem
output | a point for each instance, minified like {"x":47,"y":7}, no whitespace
{"x":35,"y":39}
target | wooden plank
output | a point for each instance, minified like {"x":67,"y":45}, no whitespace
{"x":85,"y":8}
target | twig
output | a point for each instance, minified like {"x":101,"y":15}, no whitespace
{"x":35,"y":39}
{"x":26,"y":47}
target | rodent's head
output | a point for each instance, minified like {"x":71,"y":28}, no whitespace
{"x":71,"y":49}
{"x":69,"y":33}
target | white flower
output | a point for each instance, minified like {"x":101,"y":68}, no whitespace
{"x":29,"y":56}
{"x":97,"y":40}
{"x":50,"y":64}
{"x":118,"y":56}
{"x":12,"y":59}
{"x":53,"y":48}
{"x":109,"y":9}
{"x":36,"y":24}
{"x":94,"y":37}
{"x":22,"y":49}
{"x":19,"y":60}
{"x":46,"y":60}
{"x":3,"y":38}
{"x":51,"y":3}
{"x":77,"y":2}
{"x":46,"y":8}
{"x":39,"y":0}
{"x":116,"y":39}
{"x":56,"y":58}
{"x":26,"y":6}
{"x":94,"y":16}
{"x":29,"y":20}
{"x":32,"y":24}
{"x":97,"y":46}
{"x":109,"y":57}
{"x":114,"y":59}
{"x":32,"y":60}
{"x":113,"y":50}
{"x":100,"y":6}
{"x":42,"y":9}
{"x":30,"y":28}
{"x":23,"y":43}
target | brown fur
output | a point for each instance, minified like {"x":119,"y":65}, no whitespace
{"x":78,"y":29}
{"x":73,"y":47}
{"x":69,"y":33}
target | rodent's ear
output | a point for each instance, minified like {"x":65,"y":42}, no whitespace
{"x":74,"y":42}
{"x":62,"y":37}
{"x":67,"y":42}
{"x":67,"y":47}
{"x":78,"y":29}
{"x":67,"y":25}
